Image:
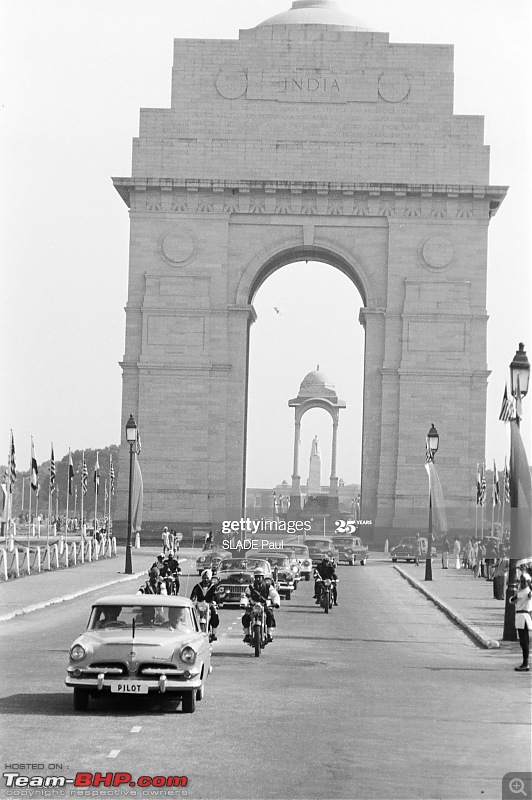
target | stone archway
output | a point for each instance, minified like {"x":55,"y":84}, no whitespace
{"x":362,"y":165}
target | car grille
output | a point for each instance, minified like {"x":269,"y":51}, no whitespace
{"x":111,"y":665}
{"x":151,"y":668}
{"x":232,"y":593}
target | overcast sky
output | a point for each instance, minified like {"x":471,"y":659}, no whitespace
{"x":74,"y":75}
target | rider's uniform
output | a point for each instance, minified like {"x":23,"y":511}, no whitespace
{"x":326,"y":571}
{"x":263,"y":592}
{"x":201,"y":592}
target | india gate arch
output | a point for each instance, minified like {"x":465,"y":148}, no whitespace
{"x":310,"y":137}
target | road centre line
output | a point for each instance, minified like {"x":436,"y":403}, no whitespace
{"x":113,"y":754}
{"x":136,"y":729}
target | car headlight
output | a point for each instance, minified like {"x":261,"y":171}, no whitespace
{"x":201,"y":559}
{"x":188,"y":655}
{"x":77,"y":652}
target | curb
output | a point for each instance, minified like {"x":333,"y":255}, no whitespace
{"x":477,"y":633}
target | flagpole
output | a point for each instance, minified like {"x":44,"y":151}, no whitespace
{"x":49,"y":496}
{"x":476,"y":506}
{"x":29,"y":498}
{"x":81,"y":504}
{"x":96,"y":484}
{"x":483,"y":502}
{"x":68,"y":492}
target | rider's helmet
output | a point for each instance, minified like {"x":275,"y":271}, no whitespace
{"x":207,"y":573}
{"x":153,"y":574}
{"x":259,"y":571}
{"x":326,"y":557}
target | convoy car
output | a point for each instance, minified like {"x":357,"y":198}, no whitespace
{"x":140,"y":645}
{"x":304,"y":560}
{"x":285,"y":580}
{"x":235,"y":575}
{"x":407,"y":548}
{"x":350,"y":548}
{"x":210,"y":558}
{"x":320,"y":546}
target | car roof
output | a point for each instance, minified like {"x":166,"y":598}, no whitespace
{"x":175,"y":601}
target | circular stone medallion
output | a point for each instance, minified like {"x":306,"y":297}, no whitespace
{"x":393,"y":86}
{"x":177,"y":247}
{"x":436,"y":252}
{"x":231,"y":83}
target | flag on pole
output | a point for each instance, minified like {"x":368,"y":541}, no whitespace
{"x":52,"y":471}
{"x":96,"y":473}
{"x":507,"y":407}
{"x":506,"y":482}
{"x":111,"y":476}
{"x":496,"y":497}
{"x":70,"y":472}
{"x":518,"y":401}
{"x":483,"y":487}
{"x":106,"y":494}
{"x":137,"y":497}
{"x":138,"y":447}
{"x":479,"y":486}
{"x":521,"y":497}
{"x":34,"y":471}
{"x":12,"y":468}
{"x":428,"y":452}
{"x":437,"y":500}
{"x":84,"y":474}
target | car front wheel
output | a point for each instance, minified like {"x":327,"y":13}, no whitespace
{"x":81,"y":699}
{"x":188,"y":703}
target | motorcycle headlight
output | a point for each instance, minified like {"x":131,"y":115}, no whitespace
{"x":188,"y":655}
{"x":77,"y":653}
{"x":220,"y":591}
{"x":201,"y":559}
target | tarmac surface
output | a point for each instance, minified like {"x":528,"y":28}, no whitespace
{"x":467,"y":600}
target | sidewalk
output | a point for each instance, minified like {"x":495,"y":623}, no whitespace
{"x":32,"y":592}
{"x":467,"y":600}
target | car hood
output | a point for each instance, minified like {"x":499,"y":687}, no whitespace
{"x":148,"y":644}
{"x":237,"y":577}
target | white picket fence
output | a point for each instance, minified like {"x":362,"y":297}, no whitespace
{"x":17,"y":560}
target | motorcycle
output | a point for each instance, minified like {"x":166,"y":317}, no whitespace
{"x":257,"y":625}
{"x":204,"y":613}
{"x":326,"y":593}
{"x":172,"y":583}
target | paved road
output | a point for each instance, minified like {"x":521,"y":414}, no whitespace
{"x":383,"y":698}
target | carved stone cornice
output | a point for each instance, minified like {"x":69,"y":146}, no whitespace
{"x":313,"y":198}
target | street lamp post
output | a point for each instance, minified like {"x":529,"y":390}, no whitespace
{"x":131,"y":438}
{"x":433,"y":441}
{"x":519,"y":378}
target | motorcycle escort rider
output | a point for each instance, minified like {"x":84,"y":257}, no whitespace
{"x":172,"y":572}
{"x":154,"y":585}
{"x":260,"y":591}
{"x":324,"y":570}
{"x":206,"y":591}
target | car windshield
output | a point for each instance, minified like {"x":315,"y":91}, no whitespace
{"x":301,"y":551}
{"x":320,"y":543}
{"x":345,"y":541}
{"x":109,"y":618}
{"x":244,"y":565}
{"x":279,"y":561}
{"x":409,"y":540}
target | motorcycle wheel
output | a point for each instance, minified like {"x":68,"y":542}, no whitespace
{"x":326,"y":603}
{"x":256,"y":642}
{"x":307,"y":576}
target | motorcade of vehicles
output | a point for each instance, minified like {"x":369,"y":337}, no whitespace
{"x":304,"y":560}
{"x":210,"y":558}
{"x":350,"y":548}
{"x":257,"y":625}
{"x":235,"y":575}
{"x":320,"y":546}
{"x":325,"y":588}
{"x":406,"y":550}
{"x":283,"y":575}
{"x":288,"y":551}
{"x":140,"y":645}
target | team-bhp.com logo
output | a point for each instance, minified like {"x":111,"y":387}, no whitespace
{"x":14,"y":780}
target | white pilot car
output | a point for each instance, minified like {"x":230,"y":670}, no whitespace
{"x":140,"y":645}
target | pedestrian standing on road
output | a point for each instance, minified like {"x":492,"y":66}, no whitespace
{"x":474,"y":556}
{"x":445,"y":547}
{"x":165,"y":536}
{"x":419,"y":549}
{"x":456,"y":552}
{"x":481,"y":556}
{"x":523,"y":617}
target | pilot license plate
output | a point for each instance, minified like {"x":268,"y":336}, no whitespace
{"x":128,"y":687}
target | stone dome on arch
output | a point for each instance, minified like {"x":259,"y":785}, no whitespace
{"x":316,"y":12}
{"x":317,"y":384}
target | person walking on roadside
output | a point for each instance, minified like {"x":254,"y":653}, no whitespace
{"x":165,"y":536}
{"x":523,"y":617}
{"x":419,"y":549}
{"x":445,"y":547}
{"x":456,"y":552}
{"x":481,"y":556}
